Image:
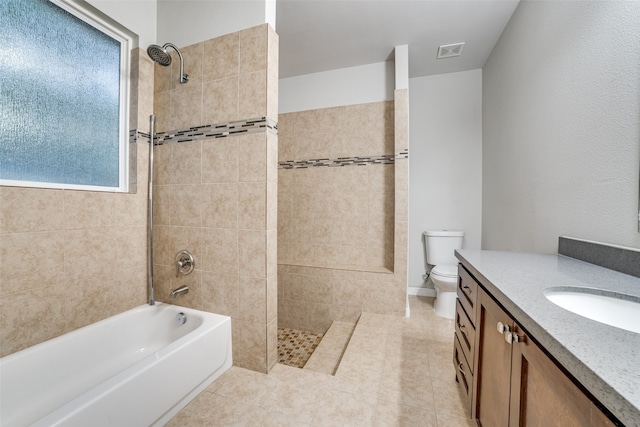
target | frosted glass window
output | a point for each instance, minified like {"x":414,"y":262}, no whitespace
{"x":61,"y":115}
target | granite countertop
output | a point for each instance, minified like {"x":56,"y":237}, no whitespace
{"x":604,"y":359}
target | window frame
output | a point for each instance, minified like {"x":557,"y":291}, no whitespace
{"x":128,"y":41}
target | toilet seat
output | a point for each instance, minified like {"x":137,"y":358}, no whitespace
{"x":445,"y":271}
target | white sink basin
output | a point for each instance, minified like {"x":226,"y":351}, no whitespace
{"x":619,"y":310}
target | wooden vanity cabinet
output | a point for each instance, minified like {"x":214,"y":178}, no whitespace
{"x":493,"y":379}
{"x":507,"y":379}
{"x":465,"y":334}
{"x":517,"y":384}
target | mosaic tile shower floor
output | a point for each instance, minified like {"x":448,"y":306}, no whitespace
{"x":296,"y":347}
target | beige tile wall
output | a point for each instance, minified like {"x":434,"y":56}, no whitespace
{"x":71,"y":258}
{"x":232,"y":77}
{"x":341,"y":216}
{"x":342,"y":231}
{"x":218,"y":197}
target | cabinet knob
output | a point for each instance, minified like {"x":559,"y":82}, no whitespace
{"x":511,"y":337}
{"x":502,"y":328}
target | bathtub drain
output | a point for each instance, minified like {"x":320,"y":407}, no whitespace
{"x":181,"y":318}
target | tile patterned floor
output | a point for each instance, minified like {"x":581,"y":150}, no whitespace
{"x":395,"y":371}
{"x":326,"y":358}
{"x":296,"y":347}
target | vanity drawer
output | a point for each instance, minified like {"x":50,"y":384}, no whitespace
{"x":464,"y":376}
{"x":467,"y":293}
{"x":466,"y":334}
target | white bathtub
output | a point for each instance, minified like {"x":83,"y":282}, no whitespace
{"x":138,"y":368}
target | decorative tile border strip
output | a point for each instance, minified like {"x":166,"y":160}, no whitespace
{"x":218,"y":130}
{"x":344,"y":161}
{"x":137,"y":136}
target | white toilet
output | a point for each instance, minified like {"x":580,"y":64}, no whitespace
{"x":441,"y":245}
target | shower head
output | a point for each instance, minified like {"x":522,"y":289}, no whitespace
{"x":162,"y":57}
{"x":159,"y":55}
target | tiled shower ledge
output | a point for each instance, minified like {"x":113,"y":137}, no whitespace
{"x":382,"y":270}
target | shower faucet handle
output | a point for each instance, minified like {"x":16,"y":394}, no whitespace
{"x":184,"y":263}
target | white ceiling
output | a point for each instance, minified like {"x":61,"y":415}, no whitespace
{"x":321,"y":35}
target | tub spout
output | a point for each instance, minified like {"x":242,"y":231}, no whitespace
{"x":179,"y":291}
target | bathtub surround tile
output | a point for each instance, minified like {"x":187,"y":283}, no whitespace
{"x":186,"y":159}
{"x":272,"y":254}
{"x":86,"y":209}
{"x":273,"y":54}
{"x":86,"y":303}
{"x":220,"y":143}
{"x":21,"y":315}
{"x":221,"y":57}
{"x":220,"y":205}
{"x":161,"y":205}
{"x":186,"y":106}
{"x":253,"y":49}
{"x":252,"y":299}
{"x":192,"y":56}
{"x":252,"y":199}
{"x":131,"y":209}
{"x":185,"y":205}
{"x":252,"y":88}
{"x":272,"y":344}
{"x":252,"y":156}
{"x":250,"y":337}
{"x":220,"y":161}
{"x":132,"y":245}
{"x":220,"y":293}
{"x":169,"y":240}
{"x":220,"y":251}
{"x":145,"y":89}
{"x":30,"y":210}
{"x":220,"y":100}
{"x":162,"y":110}
{"x":89,"y":252}
{"x":31,"y":260}
{"x":252,"y":252}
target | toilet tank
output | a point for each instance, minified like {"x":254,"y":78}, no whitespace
{"x":441,"y":244}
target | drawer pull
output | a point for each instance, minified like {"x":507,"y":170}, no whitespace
{"x":467,"y":289}
{"x":463,"y":329}
{"x":461,"y":369}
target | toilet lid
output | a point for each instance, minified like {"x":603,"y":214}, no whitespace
{"x":445,"y":270}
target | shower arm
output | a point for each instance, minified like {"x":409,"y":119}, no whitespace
{"x":183,"y":77}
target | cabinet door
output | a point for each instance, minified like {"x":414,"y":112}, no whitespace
{"x":541,"y":394}
{"x":493,"y":374}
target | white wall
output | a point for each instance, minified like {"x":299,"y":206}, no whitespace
{"x":345,"y":86}
{"x":185,"y":22}
{"x":138,"y":16}
{"x":445,"y":161}
{"x":561,"y":127}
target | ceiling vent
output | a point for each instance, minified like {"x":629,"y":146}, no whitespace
{"x":450,"y":50}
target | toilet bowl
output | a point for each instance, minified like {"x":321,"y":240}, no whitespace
{"x":441,"y":246}
{"x":445,"y":281}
